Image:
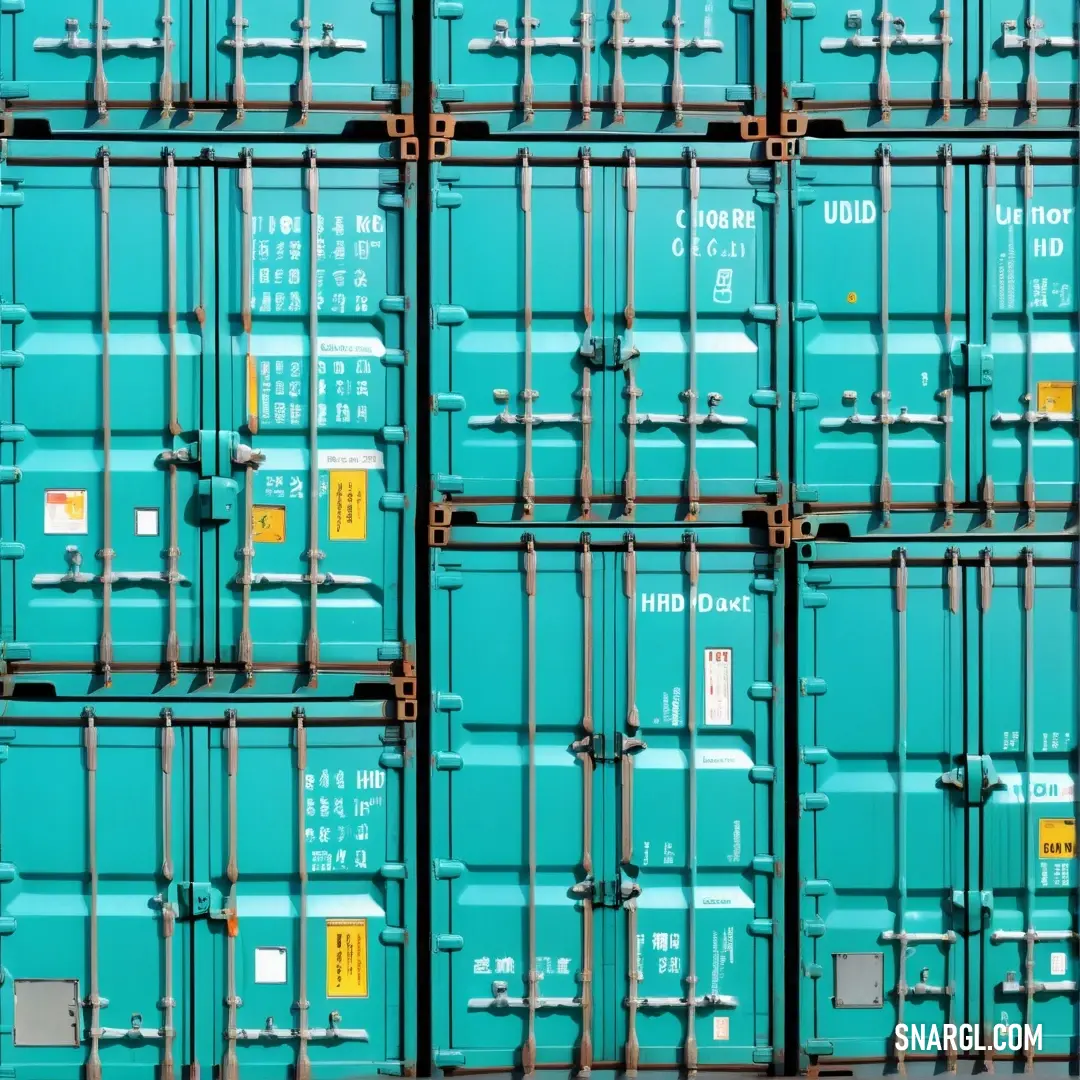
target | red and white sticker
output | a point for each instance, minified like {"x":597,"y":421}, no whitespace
{"x":65,"y":512}
{"x":717,"y":687}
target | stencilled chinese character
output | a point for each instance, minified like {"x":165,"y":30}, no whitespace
{"x":294,"y":275}
{"x":339,"y":367}
{"x":271,"y":222}
{"x":309,"y":781}
{"x":342,"y":413}
{"x":279,"y":251}
{"x":481,"y":965}
{"x":296,"y":250}
{"x":324,"y":807}
{"x":324,"y":778}
{"x":339,"y":225}
{"x":340,"y":857}
{"x":504,"y":965}
{"x":362,"y":249}
{"x":279,"y":367}
{"x":660,"y":942}
{"x":322,"y":416}
{"x":320,"y":302}
{"x":674,"y":965}
{"x":339,"y":779}
{"x":279,"y":302}
{"x":324,"y":487}
{"x":562,"y":965}
{"x":296,"y":302}
{"x":361,"y":305}
{"x":359,"y":279}
{"x":669,"y":854}
{"x":674,"y":938}
{"x":339,"y":808}
{"x":361,"y":414}
{"x":360,"y":861}
{"x":339,"y":279}
{"x":296,"y":369}
{"x":337,"y":303}
{"x":363,"y":367}
{"x":322,"y":388}
{"x":265,"y":300}
{"x":309,"y":836}
{"x":324,"y":834}
{"x":294,"y":388}
{"x":339,"y":388}
{"x":320,"y":248}
{"x":296,"y":414}
{"x":339,"y":251}
{"x":279,"y":277}
{"x":296,"y":491}
{"x":309,"y":807}
{"x":322,"y":861}
{"x":361,"y":832}
{"x":279,"y":388}
{"x":264,"y":275}
{"x":264,"y":368}
{"x":322,"y":225}
{"x":275,"y":487}
{"x":279,"y":412}
{"x":262,"y":250}
{"x":663,"y":965}
{"x":362,"y":389}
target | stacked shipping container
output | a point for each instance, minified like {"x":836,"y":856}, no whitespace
{"x":733,"y":441}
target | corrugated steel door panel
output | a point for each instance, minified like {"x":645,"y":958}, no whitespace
{"x":333,"y":798}
{"x":882,"y":826}
{"x":352,"y":295}
{"x":840,"y":61}
{"x":518,"y":340}
{"x":106,"y":425}
{"x":875,"y":343}
{"x":55,"y":58}
{"x":1022,"y":622}
{"x":520,"y":825}
{"x":1027,"y":223}
{"x":1027,"y":62}
{"x":352,"y":63}
{"x":699,"y":706}
{"x":96,"y":848}
{"x":698,"y":398}
{"x":521,"y":72}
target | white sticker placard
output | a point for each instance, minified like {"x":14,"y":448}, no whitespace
{"x":343,"y":347}
{"x":1059,"y":963}
{"x":721,"y":1028}
{"x":350,"y":459}
{"x":717,"y":687}
{"x":271,"y":965}
{"x":66,"y":512}
{"x":147,"y":522}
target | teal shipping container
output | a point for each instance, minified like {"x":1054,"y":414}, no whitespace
{"x":211,"y":65}
{"x":229,"y":890}
{"x":935,"y":335}
{"x":624,"y":69}
{"x":937,"y":862}
{"x":189,"y":499}
{"x":585,"y":366}
{"x":607,"y":830}
{"x":986,"y":64}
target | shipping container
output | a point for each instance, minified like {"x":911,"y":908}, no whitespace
{"x":210,"y":65}
{"x":934,"y":335}
{"x":174,"y":515}
{"x":987,"y":64}
{"x":184,"y":879}
{"x":575,"y":68}
{"x":937,"y":730}
{"x":606,"y":801}
{"x":583,"y":365}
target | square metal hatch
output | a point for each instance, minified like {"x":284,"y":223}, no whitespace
{"x":859,"y":979}
{"x":47,"y":1012}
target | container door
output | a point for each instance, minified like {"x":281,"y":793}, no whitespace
{"x":1026,"y":72}
{"x":55,"y":56}
{"x":104,"y":388}
{"x":1024,"y":651}
{"x":517,"y":344}
{"x":347,"y":60}
{"x":312,"y":562}
{"x":700,"y":819}
{"x":96,"y":851}
{"x":906,"y":71}
{"x":698,"y":396}
{"x":882,"y":822}
{"x":874,"y":342}
{"x":1026,"y":457}
{"x":519,"y":826}
{"x":306,"y":847}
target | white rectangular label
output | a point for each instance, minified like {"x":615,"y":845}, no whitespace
{"x":147,"y":522}
{"x":721,"y":1026}
{"x":66,"y":512}
{"x":350,"y":459}
{"x":1059,"y":963}
{"x":717,"y":687}
{"x":330,"y":347}
{"x":271,"y":965}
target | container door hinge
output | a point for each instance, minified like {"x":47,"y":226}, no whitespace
{"x":447,"y":943}
{"x":609,"y":894}
{"x":449,"y":484}
{"x":444,"y":403}
{"x":449,"y":1059}
{"x":978,"y":366}
{"x":602,"y":748}
{"x":801,"y":402}
{"x":976,"y":778}
{"x":813,"y":927}
{"x":818,"y":1047}
{"x":970,"y":909}
{"x":811,"y":686}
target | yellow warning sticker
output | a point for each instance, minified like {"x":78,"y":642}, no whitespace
{"x":65,"y":512}
{"x":268,"y":524}
{"x":1056,"y":397}
{"x":346,"y":958}
{"x":348,"y":505}
{"x":1057,"y":838}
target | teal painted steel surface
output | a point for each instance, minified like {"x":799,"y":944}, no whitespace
{"x":923,"y":831}
{"x":214,"y":65}
{"x":157,"y":518}
{"x":989,"y":64}
{"x":934,"y":334}
{"x":583,"y":366}
{"x":156,"y":889}
{"x":574,"y":68}
{"x":607,"y":784}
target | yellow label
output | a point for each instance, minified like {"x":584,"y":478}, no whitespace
{"x":1057,"y":838}
{"x":1056,"y":397}
{"x":348,"y":505}
{"x":268,"y":524}
{"x":253,"y":394}
{"x":346,"y":958}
